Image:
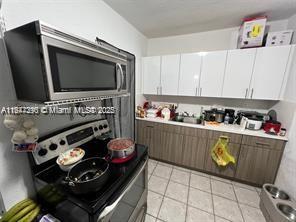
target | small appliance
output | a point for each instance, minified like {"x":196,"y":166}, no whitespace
{"x":254,"y":124}
{"x":272,"y":127}
{"x":230,"y":113}
{"x":61,"y":66}
{"x":250,"y":114}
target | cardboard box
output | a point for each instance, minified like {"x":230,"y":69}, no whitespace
{"x":251,"y":32}
{"x":279,"y":38}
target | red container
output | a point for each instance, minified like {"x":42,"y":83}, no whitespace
{"x":272,"y":127}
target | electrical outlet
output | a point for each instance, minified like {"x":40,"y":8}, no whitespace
{"x":2,"y":207}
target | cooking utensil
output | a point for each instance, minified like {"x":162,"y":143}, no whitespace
{"x":88,"y":175}
{"x":66,"y":166}
{"x":219,"y":116}
{"x":125,"y":148}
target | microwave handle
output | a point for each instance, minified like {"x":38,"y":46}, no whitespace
{"x":118,"y":67}
{"x":110,"y":209}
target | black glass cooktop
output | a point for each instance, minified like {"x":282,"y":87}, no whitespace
{"x":93,"y":203}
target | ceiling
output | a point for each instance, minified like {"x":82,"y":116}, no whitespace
{"x":158,"y":18}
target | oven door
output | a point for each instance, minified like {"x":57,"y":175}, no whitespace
{"x":131,"y":204}
{"x":75,"y":71}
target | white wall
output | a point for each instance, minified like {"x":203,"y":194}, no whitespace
{"x":87,"y":18}
{"x":203,"y":41}
{"x":286,"y":110}
{"x":292,"y":25}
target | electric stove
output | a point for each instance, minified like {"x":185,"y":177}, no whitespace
{"x":122,"y":198}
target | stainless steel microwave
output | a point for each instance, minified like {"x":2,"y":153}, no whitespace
{"x":48,"y":64}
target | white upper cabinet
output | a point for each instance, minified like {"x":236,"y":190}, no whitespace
{"x":170,"y":67}
{"x":269,"y":71}
{"x":238,"y":73}
{"x":258,"y":73}
{"x":190,"y":67}
{"x":151,"y":74}
{"x":212,"y":73}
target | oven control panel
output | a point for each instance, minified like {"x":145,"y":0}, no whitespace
{"x":53,"y":146}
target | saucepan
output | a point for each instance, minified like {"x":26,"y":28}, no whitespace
{"x":121,"y":148}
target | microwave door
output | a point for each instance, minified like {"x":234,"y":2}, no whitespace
{"x":75,"y":72}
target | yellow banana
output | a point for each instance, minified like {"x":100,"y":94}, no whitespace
{"x":31,"y":216}
{"x":15,"y":209}
{"x":23,"y":212}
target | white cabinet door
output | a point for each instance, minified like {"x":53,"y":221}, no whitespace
{"x":269,"y":72}
{"x":170,"y":67}
{"x":212,"y":73}
{"x":151,"y":74}
{"x":190,"y":66}
{"x":238,"y":73}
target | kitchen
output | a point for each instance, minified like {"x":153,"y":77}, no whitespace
{"x":121,"y":25}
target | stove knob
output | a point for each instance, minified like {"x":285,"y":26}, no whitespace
{"x":105,"y":126}
{"x":62,"y":142}
{"x":53,"y":146}
{"x":42,"y":152}
{"x":100,"y":127}
{"x":96,"y":129}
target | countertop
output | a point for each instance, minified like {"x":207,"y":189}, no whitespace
{"x":221,"y":127}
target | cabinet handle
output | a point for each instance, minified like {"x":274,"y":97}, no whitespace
{"x":157,"y":90}
{"x":262,"y":144}
{"x":252,"y":93}
{"x":200,"y":91}
{"x":161,"y":90}
{"x":246,"y":93}
{"x":195,"y":91}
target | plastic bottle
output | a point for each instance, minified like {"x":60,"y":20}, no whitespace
{"x":226,"y":119}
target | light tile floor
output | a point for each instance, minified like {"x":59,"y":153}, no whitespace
{"x":177,"y":194}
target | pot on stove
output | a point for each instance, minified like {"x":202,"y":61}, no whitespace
{"x":121,"y":148}
{"x":88,"y":175}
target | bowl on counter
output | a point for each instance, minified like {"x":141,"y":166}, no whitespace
{"x":69,"y":158}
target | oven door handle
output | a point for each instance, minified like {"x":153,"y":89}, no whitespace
{"x":118,"y":67}
{"x":109,"y":209}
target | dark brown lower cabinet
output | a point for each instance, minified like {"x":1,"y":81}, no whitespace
{"x":194,"y":151}
{"x":258,"y":165}
{"x":257,"y":158}
{"x":228,"y":170}
{"x":171,"y":147}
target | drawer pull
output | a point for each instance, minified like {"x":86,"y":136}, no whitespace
{"x":150,"y":126}
{"x":262,"y":144}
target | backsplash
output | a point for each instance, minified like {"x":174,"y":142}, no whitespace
{"x":194,"y":105}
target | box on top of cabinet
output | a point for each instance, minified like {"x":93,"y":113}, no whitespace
{"x":279,"y":38}
{"x":251,"y":32}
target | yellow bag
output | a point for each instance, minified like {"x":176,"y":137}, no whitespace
{"x":220,"y":152}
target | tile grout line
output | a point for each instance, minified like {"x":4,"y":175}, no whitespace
{"x":172,"y":167}
{"x":164,"y":195}
{"x":238,"y":203}
{"x":219,"y":195}
{"x":212,"y":199}
{"x":188,"y":196}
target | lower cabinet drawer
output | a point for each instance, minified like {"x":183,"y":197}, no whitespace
{"x":233,"y":138}
{"x":263,"y":142}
